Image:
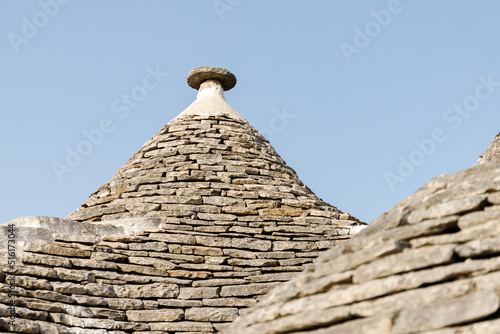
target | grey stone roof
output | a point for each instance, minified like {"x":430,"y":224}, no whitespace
{"x":200,"y":223}
{"x":492,"y":151}
{"x":429,"y":265}
{"x":206,"y":168}
{"x":209,"y":165}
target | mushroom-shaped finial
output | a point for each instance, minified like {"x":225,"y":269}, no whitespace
{"x":200,"y":74}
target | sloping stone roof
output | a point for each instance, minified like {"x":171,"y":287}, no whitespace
{"x":429,"y":265}
{"x":200,"y":222}
{"x":492,"y":151}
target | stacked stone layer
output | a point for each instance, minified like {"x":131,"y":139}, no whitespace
{"x":429,"y":265}
{"x":224,"y":220}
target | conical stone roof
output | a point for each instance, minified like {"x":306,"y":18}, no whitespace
{"x":429,"y":265}
{"x":200,"y":222}
{"x":208,"y":164}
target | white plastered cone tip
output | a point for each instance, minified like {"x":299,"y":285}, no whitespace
{"x":210,"y":100}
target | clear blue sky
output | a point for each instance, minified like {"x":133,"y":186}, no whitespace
{"x":372,"y":86}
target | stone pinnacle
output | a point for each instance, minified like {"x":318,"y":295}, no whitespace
{"x":200,"y":74}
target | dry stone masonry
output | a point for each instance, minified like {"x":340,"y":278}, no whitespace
{"x":429,"y":265}
{"x":492,"y":151}
{"x":199,"y":224}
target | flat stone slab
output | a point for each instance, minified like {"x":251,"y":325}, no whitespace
{"x":200,"y":74}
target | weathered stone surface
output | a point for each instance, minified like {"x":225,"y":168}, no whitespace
{"x":111,"y":275}
{"x":74,"y":275}
{"x":35,"y":271}
{"x":180,"y":303}
{"x":211,"y":314}
{"x":155,"y":315}
{"x":488,"y":326}
{"x":20,"y":326}
{"x":173,"y":238}
{"x":459,"y":237}
{"x":238,"y":253}
{"x":405,"y":261}
{"x":222,"y":201}
{"x":105,"y":256}
{"x":247,"y":290}
{"x":218,"y":282}
{"x":51,"y":295}
{"x":84,"y":263}
{"x":293,"y":262}
{"x":125,"y":303}
{"x":294,"y":245}
{"x":199,"y":250}
{"x":494,"y":198}
{"x":348,"y":260}
{"x":213,"y":241}
{"x":55,"y":249}
{"x":212,"y":229}
{"x":156,"y":290}
{"x":182,"y":326}
{"x":481,"y":247}
{"x":69,"y":288}
{"x":491,"y":152}
{"x":94,"y":323}
{"x":205,"y":266}
{"x":155,"y":262}
{"x":275,"y":277}
{"x":216,"y":259}
{"x":447,"y":209}
{"x":142,"y":270}
{"x":471,"y":307}
{"x":103,"y":313}
{"x":90,"y":301}
{"x":229,"y":302}
{"x":199,"y":293}
{"x":253,"y":263}
{"x":363,"y":326}
{"x":149,"y":246}
{"x":176,"y":258}
{"x":41,"y":259}
{"x":100,"y":290}
{"x":190,"y":274}
{"x":28,"y":282}
{"x":240,"y":210}
{"x":42,"y":305}
{"x":77,"y":311}
{"x":477,"y":218}
{"x":253,"y":244}
{"x":99,"y":211}
{"x":216,"y":216}
{"x":27,"y":313}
